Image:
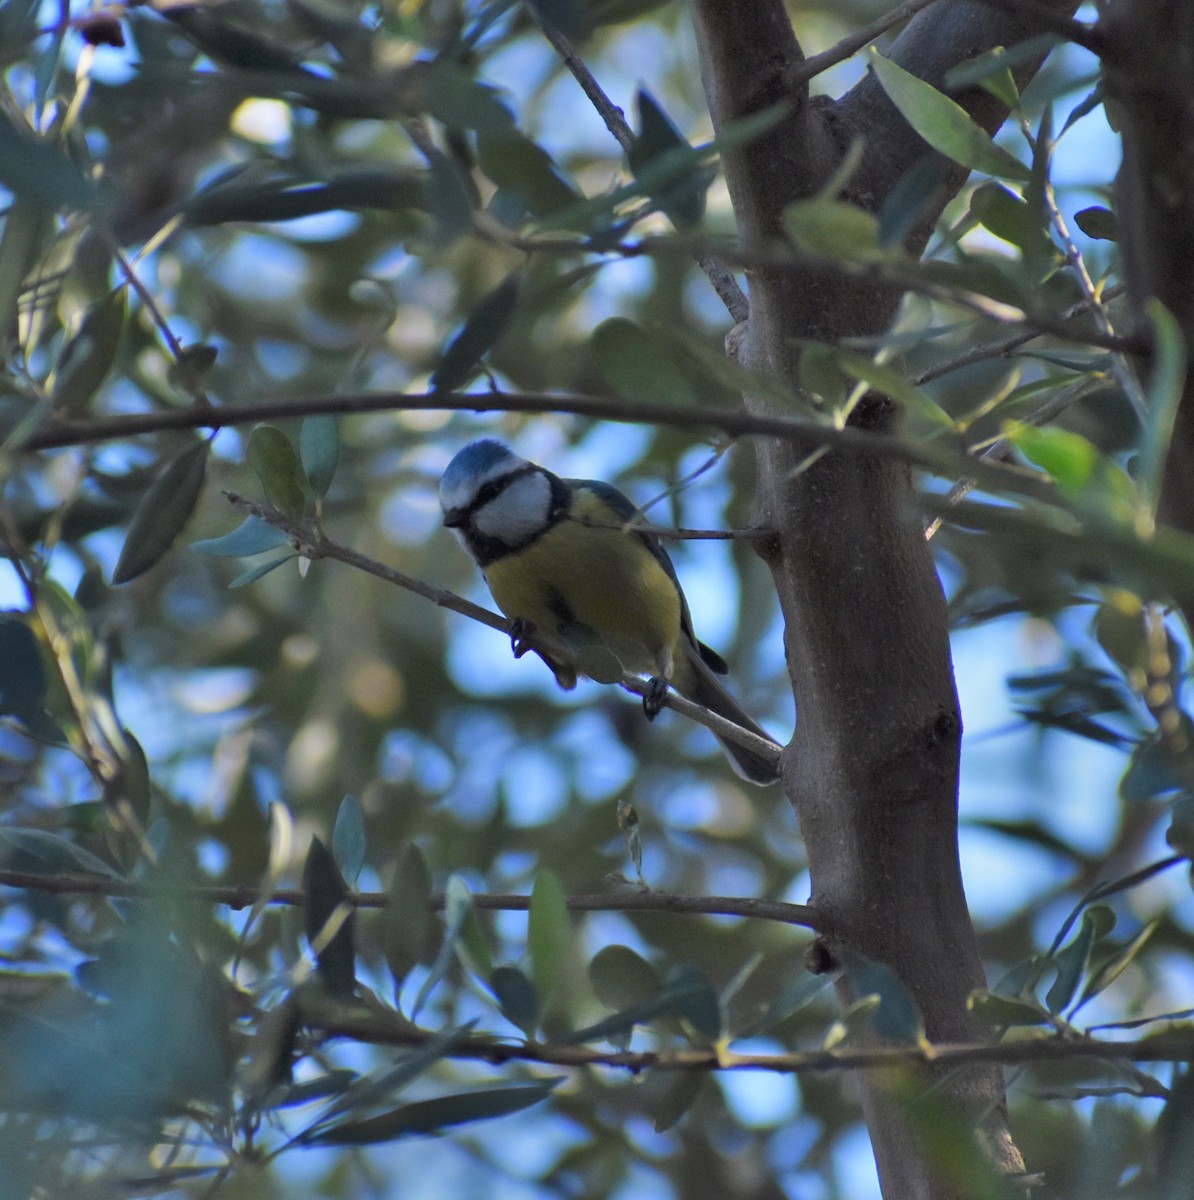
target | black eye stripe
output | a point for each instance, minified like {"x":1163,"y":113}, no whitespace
{"x":491,"y":489}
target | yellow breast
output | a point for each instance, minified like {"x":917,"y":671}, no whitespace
{"x":580,"y":586}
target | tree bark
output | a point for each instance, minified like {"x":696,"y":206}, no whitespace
{"x":873,"y":767}
{"x":1148,"y":68}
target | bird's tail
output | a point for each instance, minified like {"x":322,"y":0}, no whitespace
{"x":700,"y":685}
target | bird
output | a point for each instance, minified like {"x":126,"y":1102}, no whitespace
{"x":587,"y":585}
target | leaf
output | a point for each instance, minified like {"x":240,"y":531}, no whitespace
{"x":34,"y":169}
{"x":680,"y":193}
{"x":517,"y":997}
{"x":897,"y":1017}
{"x":549,"y":933}
{"x":458,"y":903}
{"x":891,"y":383}
{"x":696,"y":1000}
{"x":428,"y":1116}
{"x":512,"y":160}
{"x":1069,"y":458}
{"x":23,"y":677}
{"x":88,"y":357}
{"x":326,"y":894}
{"x":454,"y":97}
{"x":481,"y":332}
{"x":319,"y":449}
{"x":944,"y":124}
{"x":262,"y":569}
{"x":162,"y":512}
{"x":409,"y":919}
{"x":382,"y":1086}
{"x":252,"y":536}
{"x":621,"y":977}
{"x":191,"y":366}
{"x":348,"y":839}
{"x":449,"y":198}
{"x":1151,"y":772}
{"x":1071,"y":965}
{"x":638,"y":365}
{"x":1000,"y":1011}
{"x":682,"y":1093}
{"x":1120,"y":630}
{"x":911,"y":200}
{"x":1165,"y":387}
{"x":27,"y":225}
{"x":796,"y":995}
{"x":272,"y":456}
{"x":1108,"y":972}
{"x":1098,"y":223}
{"x":569,"y":17}
{"x":835,"y":230}
{"x":56,"y":852}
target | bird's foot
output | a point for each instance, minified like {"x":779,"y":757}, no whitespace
{"x":520,"y":636}
{"x":655,"y":696}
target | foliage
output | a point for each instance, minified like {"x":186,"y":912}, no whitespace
{"x":215,"y":208}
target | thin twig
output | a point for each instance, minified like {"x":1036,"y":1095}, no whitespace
{"x":237,"y":897}
{"x":798,"y":76}
{"x":314,"y":544}
{"x":380,"y":1030}
{"x":724,"y":284}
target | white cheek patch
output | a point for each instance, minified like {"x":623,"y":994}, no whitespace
{"x":518,"y":512}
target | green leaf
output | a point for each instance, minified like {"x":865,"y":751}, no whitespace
{"x":1165,"y":387}
{"x":681,"y":1094}
{"x":409,"y":919}
{"x":569,"y":17}
{"x":800,"y":992}
{"x":55,"y":852}
{"x":621,"y":977}
{"x":680,"y":190}
{"x":696,"y":1000}
{"x":252,"y":536}
{"x":271,"y":454}
{"x":481,"y":332}
{"x":639,"y":365}
{"x":1071,"y":962}
{"x":428,"y":1116}
{"x":325,"y":892}
{"x":897,"y":1017}
{"x":458,"y":903}
{"x":162,"y":512}
{"x":1151,"y":772}
{"x":454,"y":97}
{"x":513,"y":161}
{"x":517,"y":997}
{"x":263,"y":568}
{"x":27,"y":226}
{"x":383,"y":1086}
{"x":1068,"y":457}
{"x":88,"y":357}
{"x":891,"y":383}
{"x":35,"y":169}
{"x":835,"y":230}
{"x":1109,"y":971}
{"x":942,"y":123}
{"x":549,"y":933}
{"x":999,"y":1011}
{"x":1098,"y":223}
{"x":348,"y":839}
{"x":1120,"y":630}
{"x":449,"y":198}
{"x":23,"y":677}
{"x":319,"y":449}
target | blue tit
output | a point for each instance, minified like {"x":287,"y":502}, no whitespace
{"x":585,"y":583}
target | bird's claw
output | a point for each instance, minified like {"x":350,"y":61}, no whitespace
{"x":654,"y":697}
{"x":520,"y":636}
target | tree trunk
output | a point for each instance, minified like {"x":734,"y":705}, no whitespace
{"x":873,"y":768}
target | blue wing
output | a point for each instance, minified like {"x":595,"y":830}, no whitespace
{"x":626,"y":511}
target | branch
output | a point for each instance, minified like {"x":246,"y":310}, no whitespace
{"x":735,"y":422}
{"x":241,"y":897}
{"x":724,"y":284}
{"x":379,"y":1030}
{"x":312,"y":543}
